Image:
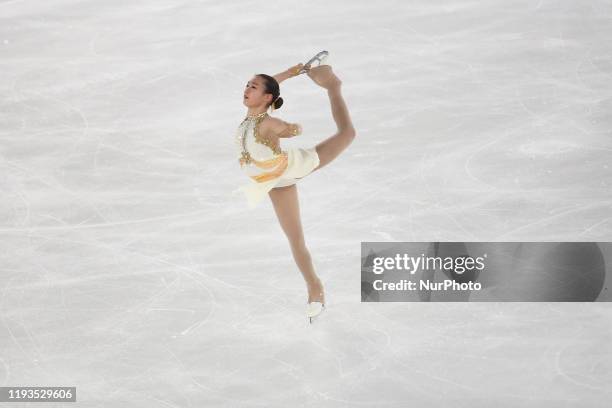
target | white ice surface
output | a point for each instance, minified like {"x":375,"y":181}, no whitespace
{"x":128,"y":269}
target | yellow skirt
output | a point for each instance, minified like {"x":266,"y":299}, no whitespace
{"x":300,"y":163}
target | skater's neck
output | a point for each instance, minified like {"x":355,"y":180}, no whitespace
{"x":253,"y":112}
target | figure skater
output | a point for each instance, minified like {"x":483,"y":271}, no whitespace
{"x":274,"y":171}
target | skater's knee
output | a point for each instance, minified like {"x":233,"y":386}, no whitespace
{"x":349,"y":133}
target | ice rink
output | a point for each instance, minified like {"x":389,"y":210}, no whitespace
{"x":129,"y":270}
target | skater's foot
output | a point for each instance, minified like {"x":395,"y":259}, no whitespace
{"x":324,"y":77}
{"x":316,"y":300}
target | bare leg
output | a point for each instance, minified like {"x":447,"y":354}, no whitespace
{"x":286,"y":206}
{"x":331,"y":147}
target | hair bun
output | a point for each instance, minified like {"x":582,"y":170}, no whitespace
{"x":278,"y":103}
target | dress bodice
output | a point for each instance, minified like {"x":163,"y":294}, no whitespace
{"x":260,"y":157}
{"x":252,"y":146}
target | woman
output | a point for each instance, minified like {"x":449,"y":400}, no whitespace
{"x":274,"y":171}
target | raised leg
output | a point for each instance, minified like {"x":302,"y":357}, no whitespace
{"x":331,"y":147}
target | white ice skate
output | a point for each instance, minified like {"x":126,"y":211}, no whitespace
{"x":320,"y":59}
{"x":314,"y":309}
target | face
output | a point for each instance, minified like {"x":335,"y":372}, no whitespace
{"x":254,"y":93}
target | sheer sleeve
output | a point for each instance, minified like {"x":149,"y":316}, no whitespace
{"x":290,"y":129}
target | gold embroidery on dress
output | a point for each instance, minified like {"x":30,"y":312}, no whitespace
{"x":267,"y":141}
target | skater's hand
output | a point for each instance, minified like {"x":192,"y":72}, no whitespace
{"x":323,"y":76}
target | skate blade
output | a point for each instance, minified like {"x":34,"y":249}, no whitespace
{"x":322,"y":58}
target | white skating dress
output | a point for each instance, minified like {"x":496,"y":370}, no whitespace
{"x":265,"y":163}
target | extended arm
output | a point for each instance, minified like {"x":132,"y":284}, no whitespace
{"x":288,"y":73}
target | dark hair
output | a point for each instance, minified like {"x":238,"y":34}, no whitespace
{"x":271,"y":87}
